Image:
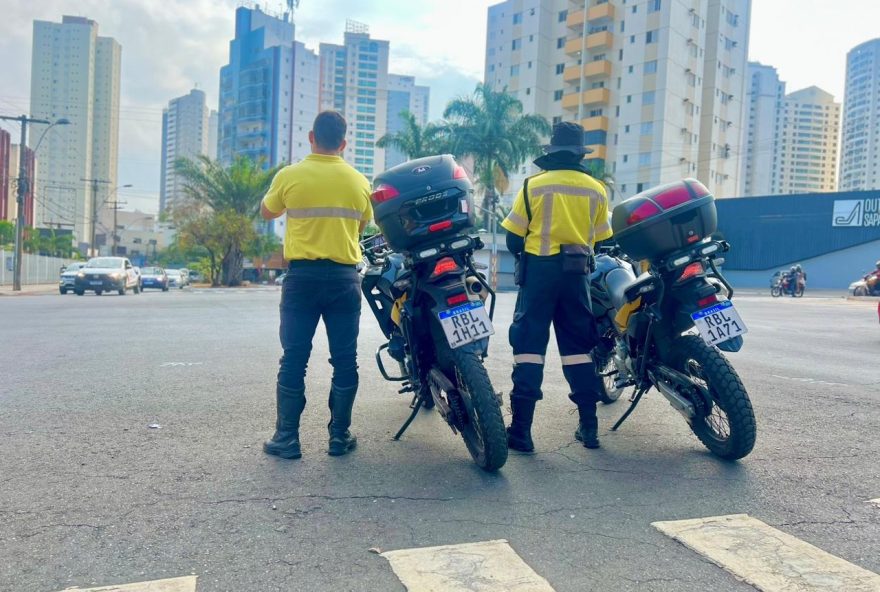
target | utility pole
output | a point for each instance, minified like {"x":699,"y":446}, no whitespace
{"x":94,"y":212}
{"x":116,"y":205}
{"x":22,"y":189}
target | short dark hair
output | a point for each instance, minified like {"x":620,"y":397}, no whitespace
{"x":329,"y":128}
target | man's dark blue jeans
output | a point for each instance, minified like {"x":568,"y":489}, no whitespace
{"x":315,"y":290}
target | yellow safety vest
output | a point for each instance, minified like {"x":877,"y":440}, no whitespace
{"x":568,"y":208}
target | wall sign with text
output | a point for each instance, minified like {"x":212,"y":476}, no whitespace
{"x":857,"y":212}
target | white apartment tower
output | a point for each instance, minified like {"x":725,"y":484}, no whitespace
{"x":860,"y":150}
{"x":186,"y":133}
{"x":404,"y":95}
{"x":306,"y":89}
{"x":806,"y":143}
{"x":657,"y":84}
{"x":75,"y":75}
{"x":354,"y":81}
{"x":766,"y":93}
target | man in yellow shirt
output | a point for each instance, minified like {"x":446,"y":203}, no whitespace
{"x":327,"y":204}
{"x":556,"y":220}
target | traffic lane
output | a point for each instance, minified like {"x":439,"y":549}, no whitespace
{"x":197,"y":494}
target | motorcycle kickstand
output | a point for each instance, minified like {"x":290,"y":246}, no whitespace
{"x":636,"y":399}
{"x":416,"y":405}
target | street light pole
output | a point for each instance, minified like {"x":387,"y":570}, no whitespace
{"x":21,"y":194}
{"x":115,"y":213}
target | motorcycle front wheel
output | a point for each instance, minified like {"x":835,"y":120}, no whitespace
{"x":480,"y":421}
{"x":606,"y":369}
{"x":776,"y":291}
{"x":728,"y":429}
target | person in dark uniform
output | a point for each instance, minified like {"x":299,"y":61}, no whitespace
{"x":327,"y":203}
{"x":556,"y":219}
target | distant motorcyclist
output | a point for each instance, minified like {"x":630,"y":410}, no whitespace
{"x":872,"y":280}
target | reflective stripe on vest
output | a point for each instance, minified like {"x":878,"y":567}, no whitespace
{"x":548,"y":193}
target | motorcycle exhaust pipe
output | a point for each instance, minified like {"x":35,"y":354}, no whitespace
{"x":679,"y":403}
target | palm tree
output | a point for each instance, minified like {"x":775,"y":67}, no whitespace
{"x":490,"y":128}
{"x":600,"y":172}
{"x":233,"y":196}
{"x":414,"y":140}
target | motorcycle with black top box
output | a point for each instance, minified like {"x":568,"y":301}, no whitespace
{"x":665,"y":315}
{"x":432,"y":304}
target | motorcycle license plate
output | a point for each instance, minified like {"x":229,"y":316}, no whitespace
{"x":719,"y":322}
{"x":466,"y":323}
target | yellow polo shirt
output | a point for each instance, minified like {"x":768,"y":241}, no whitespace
{"x":326,"y":200}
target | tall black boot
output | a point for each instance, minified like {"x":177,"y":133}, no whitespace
{"x":342,"y":441}
{"x":588,"y":425}
{"x":519,"y":434}
{"x":290,"y":404}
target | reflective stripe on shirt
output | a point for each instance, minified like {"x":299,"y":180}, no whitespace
{"x":324,"y":213}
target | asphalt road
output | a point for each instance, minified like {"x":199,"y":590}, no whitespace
{"x":90,"y":495}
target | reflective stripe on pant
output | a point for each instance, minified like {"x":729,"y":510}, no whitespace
{"x":550,"y":296}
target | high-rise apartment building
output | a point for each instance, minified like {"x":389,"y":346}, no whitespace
{"x":256,"y":89}
{"x":186,"y":133}
{"x":306,"y":74}
{"x":354,"y":81}
{"x":764,"y":99}
{"x":860,"y":146}
{"x":808,"y":126}
{"x":404,"y":95}
{"x":75,"y":75}
{"x":658,"y":84}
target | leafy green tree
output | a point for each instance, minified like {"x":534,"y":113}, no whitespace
{"x":599,"y":172}
{"x":230,"y":197}
{"x":416,"y":141}
{"x":7,"y":233}
{"x":491,"y":128}
{"x":203,"y":231}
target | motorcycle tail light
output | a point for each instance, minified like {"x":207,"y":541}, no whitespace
{"x":692,"y":270}
{"x":444,"y":265}
{"x":643,"y":212}
{"x":713,"y":299}
{"x":384,"y":192}
{"x":445,"y":225}
{"x":673,"y":198}
{"x":457,"y":299}
{"x":459,"y":173}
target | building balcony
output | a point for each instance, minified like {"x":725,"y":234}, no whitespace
{"x":591,"y":70}
{"x":600,"y":11}
{"x":600,"y":40}
{"x":575,"y":20}
{"x":600,"y":122}
{"x":594,"y":96}
{"x":599,"y":151}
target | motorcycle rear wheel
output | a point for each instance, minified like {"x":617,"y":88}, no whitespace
{"x":728,"y":429}
{"x":482,"y":426}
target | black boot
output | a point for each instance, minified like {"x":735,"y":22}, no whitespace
{"x":290,"y":404}
{"x":342,"y":441}
{"x":588,"y":427}
{"x":519,"y":434}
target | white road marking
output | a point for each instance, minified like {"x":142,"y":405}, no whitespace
{"x":489,"y":566}
{"x":166,"y":364}
{"x":768,"y":559}
{"x":875,"y":502}
{"x":809,"y":380}
{"x":184,"y":584}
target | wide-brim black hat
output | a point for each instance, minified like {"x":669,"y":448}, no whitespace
{"x":567,"y":137}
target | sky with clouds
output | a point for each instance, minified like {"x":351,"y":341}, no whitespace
{"x":168,"y":46}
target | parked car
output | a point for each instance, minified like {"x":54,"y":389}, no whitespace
{"x":68,"y":276}
{"x":175,"y":278}
{"x":105,"y":274}
{"x":154,"y":277}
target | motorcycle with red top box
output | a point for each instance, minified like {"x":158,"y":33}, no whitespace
{"x":432,"y":304}
{"x":665,"y":315}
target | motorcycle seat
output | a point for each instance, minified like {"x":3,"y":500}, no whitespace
{"x":618,"y":281}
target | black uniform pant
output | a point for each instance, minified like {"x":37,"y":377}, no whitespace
{"x":315,"y":290}
{"x":547,"y":295}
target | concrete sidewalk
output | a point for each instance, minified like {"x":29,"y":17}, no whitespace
{"x":30,"y":290}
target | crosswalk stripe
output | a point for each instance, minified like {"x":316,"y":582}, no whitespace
{"x":875,"y":502}
{"x":767,"y":558}
{"x":184,"y":584}
{"x":488,"y":566}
